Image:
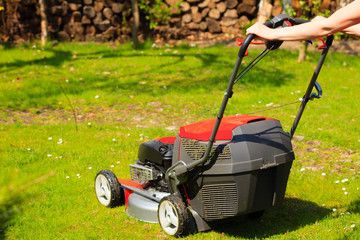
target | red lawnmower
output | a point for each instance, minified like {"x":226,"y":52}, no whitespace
{"x":213,"y":170}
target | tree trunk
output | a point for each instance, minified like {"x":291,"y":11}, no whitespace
{"x":136,"y":16}
{"x":302,"y":51}
{"x":44,"y":23}
{"x":264,"y":13}
{"x":343,"y":3}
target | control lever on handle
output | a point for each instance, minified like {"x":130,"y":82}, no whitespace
{"x":281,"y":20}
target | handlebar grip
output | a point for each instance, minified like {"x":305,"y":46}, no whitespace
{"x":300,"y":21}
{"x":281,"y":20}
{"x":269,"y":24}
{"x":245,"y":45}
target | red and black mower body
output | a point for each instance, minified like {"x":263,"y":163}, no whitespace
{"x":247,"y":170}
{"x":212,"y":170}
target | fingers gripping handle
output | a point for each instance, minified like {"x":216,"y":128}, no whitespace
{"x":281,"y":20}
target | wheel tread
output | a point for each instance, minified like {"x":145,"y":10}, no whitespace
{"x":184,"y":215}
{"x":117,"y":194}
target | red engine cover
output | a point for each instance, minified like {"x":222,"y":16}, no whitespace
{"x":202,"y":130}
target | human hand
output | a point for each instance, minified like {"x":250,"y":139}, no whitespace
{"x":260,"y":30}
{"x":254,"y":29}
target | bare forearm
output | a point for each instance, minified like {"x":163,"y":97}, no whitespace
{"x":353,"y":30}
{"x":344,"y":19}
{"x":299,"y":32}
{"x":302,"y":32}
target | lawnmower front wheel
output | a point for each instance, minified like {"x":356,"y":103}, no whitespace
{"x":173,"y":216}
{"x":108,"y":189}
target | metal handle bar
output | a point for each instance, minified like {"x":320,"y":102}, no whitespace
{"x":308,"y":94}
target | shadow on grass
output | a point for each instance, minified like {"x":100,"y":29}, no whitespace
{"x":56,"y":60}
{"x":354,"y":207}
{"x":178,"y":75}
{"x":291,"y":215}
{"x":7,"y":212}
{"x":210,"y":73}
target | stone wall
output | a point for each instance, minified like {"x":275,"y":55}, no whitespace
{"x":104,"y":20}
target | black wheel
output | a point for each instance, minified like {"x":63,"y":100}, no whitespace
{"x":173,"y":216}
{"x":108,"y":189}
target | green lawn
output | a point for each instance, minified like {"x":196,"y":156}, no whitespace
{"x":121,"y":97}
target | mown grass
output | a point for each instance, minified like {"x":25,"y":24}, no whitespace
{"x":123,"y":97}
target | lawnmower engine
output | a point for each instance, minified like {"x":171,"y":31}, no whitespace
{"x":246,"y":173}
{"x":154,"y":158}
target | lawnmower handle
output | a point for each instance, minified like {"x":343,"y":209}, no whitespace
{"x":300,"y":21}
{"x":245,"y":45}
{"x":178,"y":173}
{"x":309,"y":95}
{"x":281,"y":20}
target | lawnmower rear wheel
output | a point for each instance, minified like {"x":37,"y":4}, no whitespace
{"x":173,"y":216}
{"x":108,"y":189}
